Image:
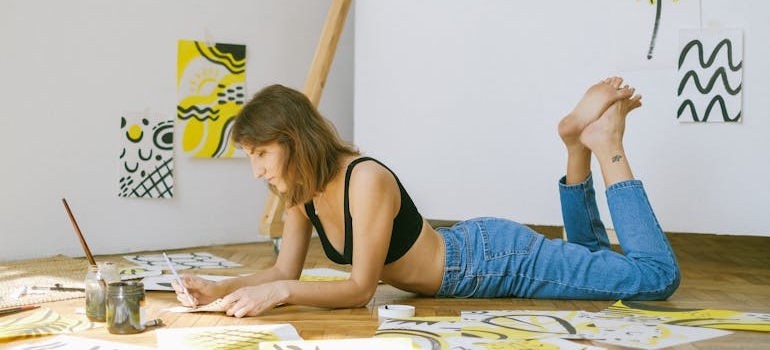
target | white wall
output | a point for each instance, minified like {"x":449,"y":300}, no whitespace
{"x":462,"y":99}
{"x":70,"y":68}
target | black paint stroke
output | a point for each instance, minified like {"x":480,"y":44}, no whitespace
{"x":721,"y":72}
{"x":566,"y":325}
{"x":202,"y":113}
{"x":722,"y":107}
{"x":230,"y":56}
{"x":224,"y":139}
{"x":727,"y":43}
{"x":655,"y":29}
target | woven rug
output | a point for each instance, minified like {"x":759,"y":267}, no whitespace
{"x":44,"y":272}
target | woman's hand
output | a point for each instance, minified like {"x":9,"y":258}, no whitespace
{"x":202,"y":291}
{"x":255,"y":300}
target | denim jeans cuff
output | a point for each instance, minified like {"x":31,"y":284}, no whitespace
{"x":586,"y":184}
{"x":624,"y":184}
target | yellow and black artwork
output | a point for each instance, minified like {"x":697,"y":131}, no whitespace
{"x":211,"y":90}
{"x":146,"y":160}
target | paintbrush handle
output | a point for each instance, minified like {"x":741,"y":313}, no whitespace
{"x":15,"y":309}
{"x":83,"y":243}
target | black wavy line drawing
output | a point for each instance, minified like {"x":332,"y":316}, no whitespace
{"x":722,"y":107}
{"x":655,"y":29}
{"x":720,"y":72}
{"x":522,"y":325}
{"x":199,"y":116}
{"x":697,"y":43}
{"x":232,"y":64}
{"x":196,"y":109}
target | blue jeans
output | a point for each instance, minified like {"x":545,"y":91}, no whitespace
{"x":492,"y":257}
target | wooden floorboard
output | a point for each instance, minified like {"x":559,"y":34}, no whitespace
{"x":718,"y":272}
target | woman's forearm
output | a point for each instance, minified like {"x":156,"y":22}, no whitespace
{"x":326,"y":294}
{"x":230,"y":285}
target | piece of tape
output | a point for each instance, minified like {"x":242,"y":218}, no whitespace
{"x":394,"y":311}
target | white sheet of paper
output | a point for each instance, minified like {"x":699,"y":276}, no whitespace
{"x":652,"y":336}
{"x":181,"y":261}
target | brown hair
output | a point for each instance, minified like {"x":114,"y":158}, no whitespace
{"x":311,"y":145}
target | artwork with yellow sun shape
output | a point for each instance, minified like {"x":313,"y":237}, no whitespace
{"x":211,"y":90}
{"x":146,"y":159}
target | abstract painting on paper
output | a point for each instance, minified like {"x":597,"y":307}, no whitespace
{"x":224,"y":337}
{"x":211,"y":90}
{"x":710,"y":76}
{"x":146,"y":160}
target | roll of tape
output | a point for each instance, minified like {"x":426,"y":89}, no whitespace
{"x":394,"y":311}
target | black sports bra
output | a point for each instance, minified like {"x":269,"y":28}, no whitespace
{"x":407,"y":224}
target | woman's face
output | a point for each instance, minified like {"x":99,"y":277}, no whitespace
{"x":267,"y":163}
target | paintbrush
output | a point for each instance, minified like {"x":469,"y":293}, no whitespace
{"x":89,"y":256}
{"x":59,"y":288}
{"x":83,"y":243}
{"x":15,"y":309}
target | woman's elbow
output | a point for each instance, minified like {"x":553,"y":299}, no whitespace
{"x":362,"y":297}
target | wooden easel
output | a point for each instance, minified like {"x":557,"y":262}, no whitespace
{"x":272,"y":218}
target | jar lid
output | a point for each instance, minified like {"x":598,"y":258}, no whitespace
{"x":125,"y":287}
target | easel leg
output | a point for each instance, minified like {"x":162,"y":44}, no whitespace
{"x":272,"y":218}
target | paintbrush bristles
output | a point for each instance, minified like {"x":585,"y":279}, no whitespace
{"x":83,"y":243}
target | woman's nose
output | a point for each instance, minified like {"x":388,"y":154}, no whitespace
{"x":258,"y":171}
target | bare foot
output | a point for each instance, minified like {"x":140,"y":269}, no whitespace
{"x":605,"y":135}
{"x":596,"y":100}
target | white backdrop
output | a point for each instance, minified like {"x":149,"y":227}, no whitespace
{"x":70,"y":68}
{"x":462,"y":99}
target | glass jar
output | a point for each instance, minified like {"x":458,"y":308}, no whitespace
{"x":97,"y":279}
{"x":125,"y":307}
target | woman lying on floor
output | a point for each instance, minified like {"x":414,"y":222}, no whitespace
{"x":365,"y":217}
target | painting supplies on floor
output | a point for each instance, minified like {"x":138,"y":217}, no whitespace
{"x":58,"y":287}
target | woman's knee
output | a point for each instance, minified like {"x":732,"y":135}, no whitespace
{"x":663,"y":284}
{"x":673,"y":285}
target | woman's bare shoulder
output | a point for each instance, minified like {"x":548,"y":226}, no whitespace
{"x":371,"y":173}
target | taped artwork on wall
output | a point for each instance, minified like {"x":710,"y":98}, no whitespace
{"x":146,"y":160}
{"x":211,"y":90}
{"x":710,"y":76}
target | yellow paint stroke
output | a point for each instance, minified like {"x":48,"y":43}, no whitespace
{"x":229,"y":339}
{"x":39,"y":323}
{"x":710,"y":318}
{"x":532,"y":344}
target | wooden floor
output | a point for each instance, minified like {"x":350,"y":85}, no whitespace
{"x":718,"y":272}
